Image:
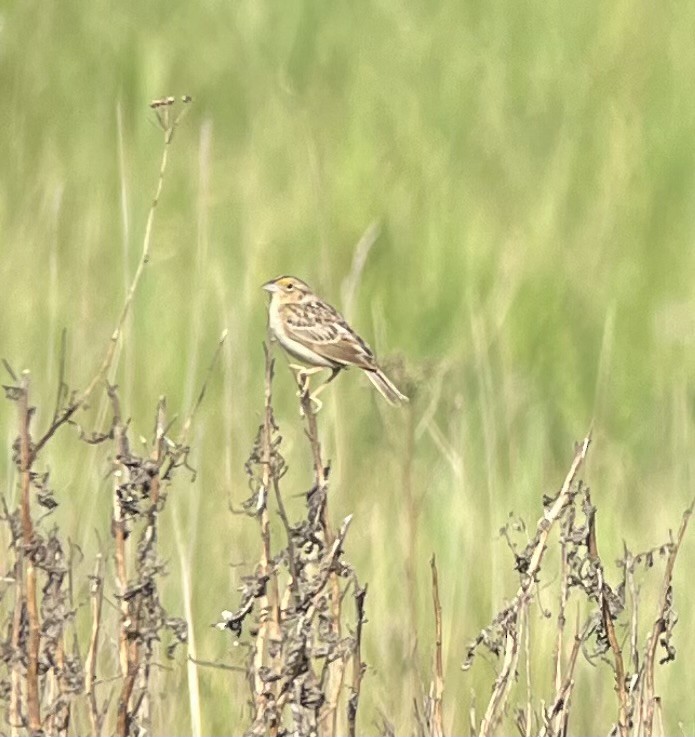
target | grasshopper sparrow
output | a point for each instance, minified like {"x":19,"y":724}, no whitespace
{"x":312,"y":331}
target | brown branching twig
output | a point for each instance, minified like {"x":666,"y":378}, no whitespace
{"x":503,"y":683}
{"x":168,"y":123}
{"x":298,"y":652}
{"x":335,"y":668}
{"x":122,"y":482}
{"x":509,"y":621}
{"x":269,"y":625}
{"x":660,"y":632}
{"x":138,"y":500}
{"x":568,"y":525}
{"x":607,"y":620}
{"x":46,"y":673}
{"x":582,"y":570}
{"x":556,"y":718}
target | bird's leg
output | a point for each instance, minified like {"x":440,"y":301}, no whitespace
{"x":302,"y":374}
{"x":334,"y":373}
{"x":314,"y":397}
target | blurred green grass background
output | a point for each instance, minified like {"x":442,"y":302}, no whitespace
{"x":531,"y":171}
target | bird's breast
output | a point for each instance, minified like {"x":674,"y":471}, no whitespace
{"x":299,"y":350}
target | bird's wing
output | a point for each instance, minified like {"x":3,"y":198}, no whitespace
{"x":324,"y":330}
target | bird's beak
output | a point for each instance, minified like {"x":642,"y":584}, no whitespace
{"x":271,"y":286}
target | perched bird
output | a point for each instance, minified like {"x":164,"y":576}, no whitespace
{"x":314,"y":332}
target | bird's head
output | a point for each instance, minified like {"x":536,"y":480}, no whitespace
{"x":288,"y":289}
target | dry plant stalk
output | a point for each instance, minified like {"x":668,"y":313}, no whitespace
{"x":607,"y":621}
{"x":139,"y":499}
{"x":581,"y":570}
{"x":168,"y":122}
{"x":269,"y":616}
{"x":96,"y":592}
{"x":556,"y":718}
{"x":510,"y":619}
{"x":358,"y":667}
{"x":660,"y":634}
{"x":298,"y":652}
{"x":46,"y":675}
{"x":33,"y":641}
{"x":435,"y":713}
{"x":335,"y":672}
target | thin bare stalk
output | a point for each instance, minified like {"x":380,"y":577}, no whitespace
{"x":142,"y":703}
{"x":503,"y":683}
{"x":127,"y":646}
{"x":15,"y":711}
{"x":359,"y":259}
{"x":619,"y":666}
{"x":557,"y":716}
{"x":168,"y":124}
{"x":191,"y":662}
{"x":268,"y":627}
{"x":60,"y":717}
{"x":564,"y":595}
{"x":96,"y":593}
{"x":649,"y":700}
{"x":357,"y":664}
{"x":34,"y":639}
{"x":437,"y":722}
{"x":511,"y":618}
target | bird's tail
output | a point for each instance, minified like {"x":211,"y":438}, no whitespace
{"x":386,"y":387}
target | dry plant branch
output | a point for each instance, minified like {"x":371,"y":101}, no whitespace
{"x":127,"y":648}
{"x":556,"y":718}
{"x":96,"y":593}
{"x":660,"y":632}
{"x":510,"y":620}
{"x":29,"y":568}
{"x":357,"y":664}
{"x":437,"y":688}
{"x":582,"y":571}
{"x":336,"y":668}
{"x":568,"y":525}
{"x":15,"y":709}
{"x":320,"y":471}
{"x":298,"y":652}
{"x":168,"y":123}
{"x":46,"y":674}
{"x":138,"y":500}
{"x":607,"y":619}
{"x":269,"y":624}
{"x":503,"y":682}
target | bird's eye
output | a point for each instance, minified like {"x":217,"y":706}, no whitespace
{"x":290,"y":286}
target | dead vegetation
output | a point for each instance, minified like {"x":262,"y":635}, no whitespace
{"x":47,"y":669}
{"x":300,"y":613}
{"x":606,"y":610}
{"x":304,"y":665}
